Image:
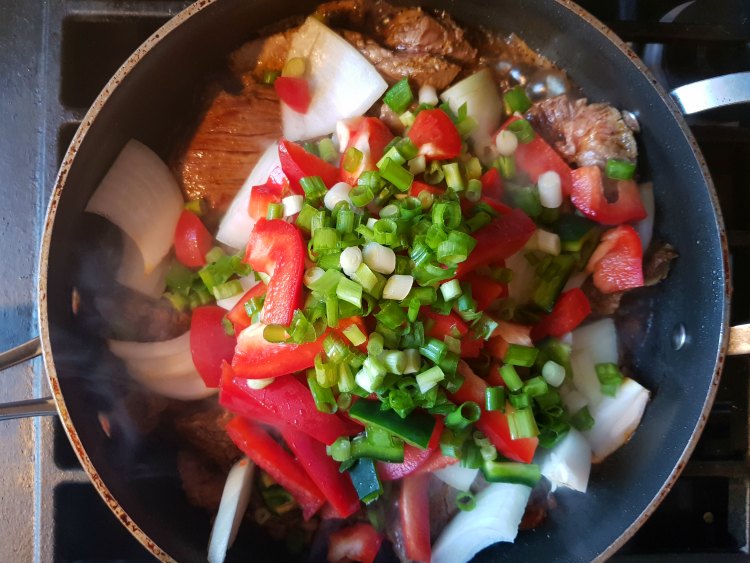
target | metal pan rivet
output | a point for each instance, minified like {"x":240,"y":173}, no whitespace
{"x":679,"y":336}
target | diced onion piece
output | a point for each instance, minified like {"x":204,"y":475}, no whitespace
{"x":521,"y":286}
{"x":379,"y":258}
{"x":550,"y":189}
{"x":568,"y":463}
{"x":132,"y":272}
{"x":483,"y":104}
{"x":246,"y":282}
{"x":594,"y":343}
{"x":428,"y":95}
{"x":259,"y":383}
{"x":350,"y":259}
{"x":342,"y":82}
{"x":548,"y":242}
{"x":339,"y":192}
{"x":398,"y":287}
{"x":371,"y":222}
{"x":234,"y":501}
{"x":495,"y":518}
{"x":572,"y":398}
{"x":616,"y":418}
{"x":506,"y":142}
{"x":140,"y":195}
{"x":457,"y":476}
{"x":292,"y":204}
{"x":163,"y":367}
{"x":236,"y":226}
{"x":645,"y":227}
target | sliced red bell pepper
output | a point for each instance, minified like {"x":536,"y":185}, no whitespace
{"x":502,"y":238}
{"x":238,"y":315}
{"x":537,"y":157}
{"x":617,"y":263}
{"x":289,"y":402}
{"x":191,"y":240}
{"x":209,"y":343}
{"x":492,"y":184}
{"x":324,"y":472}
{"x":297,"y":163}
{"x":588,"y":196}
{"x":262,"y":196}
{"x":435,"y":135}
{"x":436,"y":461}
{"x":571,"y":308}
{"x":414,"y":506}
{"x":256,"y":444}
{"x":417,"y":187}
{"x":294,"y":92}
{"x":256,"y":358}
{"x":452,"y":325}
{"x":360,"y":542}
{"x":485,"y":290}
{"x":370,"y":136}
{"x":276,"y":248}
{"x":413,"y":459}
{"x":494,"y":424}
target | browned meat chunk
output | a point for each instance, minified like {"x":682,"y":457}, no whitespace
{"x":602,"y":304}
{"x":228,"y":142}
{"x":203,"y":483}
{"x":657,"y":262}
{"x":339,"y":13}
{"x":204,"y":431}
{"x":584,"y":134}
{"x":422,"y":68}
{"x":412,"y":30}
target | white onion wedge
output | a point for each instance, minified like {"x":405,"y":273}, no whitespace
{"x":140,"y":195}
{"x":584,"y":376}
{"x":164,"y":367}
{"x":132,"y":273}
{"x":521,"y":286}
{"x":232,"y":507}
{"x":616,"y":418}
{"x":568,"y":464}
{"x":342,"y":82}
{"x":599,"y":339}
{"x":458,"y":477}
{"x":236,"y":226}
{"x":645,"y":227}
{"x":495,"y":518}
{"x":483,"y":103}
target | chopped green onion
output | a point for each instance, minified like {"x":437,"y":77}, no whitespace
{"x":463,"y":416}
{"x":386,"y":232}
{"x":324,"y":239}
{"x":495,"y":399}
{"x":227,"y":289}
{"x":361,"y":195}
{"x":434,"y":174}
{"x":196,"y":206}
{"x":474,"y":190}
{"x":473,"y":168}
{"x":523,"y":130}
{"x":301,"y":329}
{"x":453,"y":177}
{"x":304,"y":219}
{"x":511,"y":472}
{"x":527,"y":199}
{"x":507,"y":166}
{"x":275,"y":333}
{"x":429,"y":378}
{"x":314,"y":188}
{"x":270,"y":76}
{"x":465,"y":501}
{"x":344,"y":400}
{"x":311,"y":147}
{"x":582,"y":419}
{"x":451,"y":290}
{"x":610,"y":378}
{"x":335,"y":349}
{"x":349,"y":291}
{"x":434,"y":350}
{"x":352,"y":159}
{"x":345,"y":219}
{"x":535,"y":386}
{"x":553,"y":373}
{"x":453,"y":344}
{"x":394,"y":360}
{"x":214,"y":255}
{"x":396,"y":174}
{"x":327,"y":283}
{"x":399,"y":96}
{"x":446,"y":214}
{"x":417,"y":165}
{"x":449,"y":364}
{"x":323,"y":396}
{"x":520,"y":401}
{"x":516,"y":100}
{"x":511,"y":378}
{"x":522,"y":424}
{"x":478,"y":221}
{"x":326,"y":373}
{"x":413,"y":360}
{"x":355,"y":335}
{"x":378,"y":444}
{"x":375,"y":344}
{"x":341,"y":449}
{"x":406,"y":148}
{"x":519,"y":355}
{"x":391,"y":315}
{"x":620,"y":169}
{"x":407,"y":119}
{"x":327,"y":150}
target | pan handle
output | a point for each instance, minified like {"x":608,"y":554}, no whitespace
{"x":739,"y":340}
{"x":34,"y":407}
{"x":713,"y":93}
{"x":22,"y":353}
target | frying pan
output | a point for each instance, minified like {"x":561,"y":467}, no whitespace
{"x":675,"y":341}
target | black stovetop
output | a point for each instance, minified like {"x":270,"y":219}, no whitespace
{"x":55,"y":58}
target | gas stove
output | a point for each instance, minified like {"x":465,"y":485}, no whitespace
{"x":55,"y":58}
